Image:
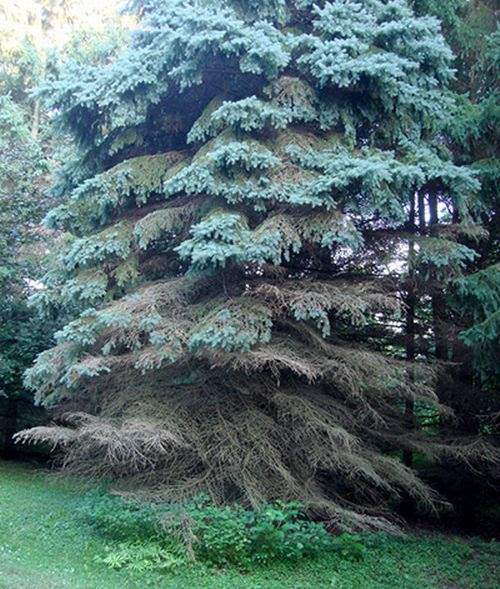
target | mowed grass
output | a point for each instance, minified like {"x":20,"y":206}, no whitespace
{"x":43,"y":545}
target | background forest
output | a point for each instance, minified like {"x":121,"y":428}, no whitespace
{"x":249,"y":255}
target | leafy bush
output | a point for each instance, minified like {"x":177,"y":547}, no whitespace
{"x":239,"y":536}
{"x":163,"y":537}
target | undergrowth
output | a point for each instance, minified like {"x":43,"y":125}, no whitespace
{"x":165,"y":537}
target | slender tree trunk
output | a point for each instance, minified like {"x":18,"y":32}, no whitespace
{"x":407,"y":504}
{"x":10,"y":425}
{"x":421,"y":213}
{"x":466,"y":397}
{"x":438,"y":298}
{"x":438,"y":303}
{"x":411,"y":302}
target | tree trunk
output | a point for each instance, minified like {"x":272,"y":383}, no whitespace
{"x":411,"y":302}
{"x":439,"y":310}
{"x":10,"y":428}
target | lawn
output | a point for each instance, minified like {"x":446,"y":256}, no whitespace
{"x":44,"y":545}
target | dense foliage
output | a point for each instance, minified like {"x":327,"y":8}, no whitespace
{"x":470,"y":132}
{"x":22,"y":169}
{"x":164,"y":537}
{"x":35,"y":37}
{"x":23,"y":177}
{"x":261,"y":194}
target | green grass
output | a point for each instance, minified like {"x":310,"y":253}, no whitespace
{"x":43,"y":545}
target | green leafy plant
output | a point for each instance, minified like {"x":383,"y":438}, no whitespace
{"x":239,"y":536}
{"x":143,"y":556}
{"x":349,"y":547}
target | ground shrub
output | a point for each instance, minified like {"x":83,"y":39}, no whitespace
{"x":164,"y":537}
{"x":239,"y":536}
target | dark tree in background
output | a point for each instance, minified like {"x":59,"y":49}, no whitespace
{"x":23,"y":169}
{"x":465,"y":312}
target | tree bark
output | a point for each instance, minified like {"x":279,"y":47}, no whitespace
{"x":411,"y":302}
{"x":439,"y":307}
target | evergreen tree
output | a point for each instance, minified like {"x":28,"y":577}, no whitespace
{"x":245,"y":175}
{"x":468,"y":305}
{"x":473,"y":139}
{"x":463,"y":318}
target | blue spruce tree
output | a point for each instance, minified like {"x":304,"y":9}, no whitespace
{"x":235,"y":211}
